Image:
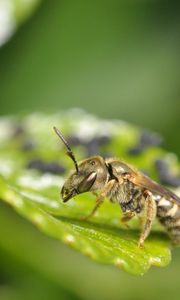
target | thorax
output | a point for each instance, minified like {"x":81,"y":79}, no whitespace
{"x":128,"y":195}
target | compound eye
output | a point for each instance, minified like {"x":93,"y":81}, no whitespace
{"x":87,"y":182}
{"x":92,"y":162}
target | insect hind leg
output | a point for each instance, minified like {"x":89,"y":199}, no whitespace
{"x":148,"y":216}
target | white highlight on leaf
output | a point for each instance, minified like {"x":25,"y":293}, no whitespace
{"x":40,"y":183}
{"x":38,"y":218}
{"x":119,"y":262}
{"x":7,"y":20}
{"x":69,"y":239}
{"x":18,"y":202}
{"x":6,"y":128}
{"x":155,"y":260}
{"x":41,"y":199}
{"x":89,"y":126}
{"x":70,"y":203}
{"x":6,"y":167}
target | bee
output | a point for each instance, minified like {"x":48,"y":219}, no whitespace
{"x":136,"y":193}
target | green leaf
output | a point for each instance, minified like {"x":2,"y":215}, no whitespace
{"x":35,"y":195}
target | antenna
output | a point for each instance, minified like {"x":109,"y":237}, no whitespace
{"x":69,"y":152}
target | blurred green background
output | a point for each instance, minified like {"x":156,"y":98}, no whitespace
{"x":117,"y":59}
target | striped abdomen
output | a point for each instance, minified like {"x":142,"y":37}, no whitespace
{"x":168,"y":213}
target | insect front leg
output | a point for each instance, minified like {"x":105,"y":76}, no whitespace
{"x":100,"y":199}
{"x":149,"y":214}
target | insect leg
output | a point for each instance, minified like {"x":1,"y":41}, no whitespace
{"x":127,"y":216}
{"x":95,"y":194}
{"x":149,"y":214}
{"x":100,"y":199}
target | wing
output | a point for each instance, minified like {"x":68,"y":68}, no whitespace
{"x":145,"y":182}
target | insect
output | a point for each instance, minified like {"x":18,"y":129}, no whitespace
{"x":136,"y":193}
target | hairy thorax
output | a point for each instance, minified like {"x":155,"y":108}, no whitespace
{"x":129,"y":196}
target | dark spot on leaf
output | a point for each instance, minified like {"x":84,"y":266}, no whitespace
{"x":150,"y":138}
{"x":19,"y":133}
{"x":146,"y":140}
{"x":102,"y":140}
{"x":135,"y":150}
{"x":92,"y":146}
{"x":46,"y":167}
{"x":18,"y":130}
{"x":74,"y":140}
{"x":165,"y":175}
{"x":27,"y":146}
